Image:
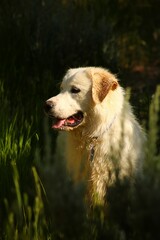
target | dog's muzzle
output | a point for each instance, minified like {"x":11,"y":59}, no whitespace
{"x":63,"y":123}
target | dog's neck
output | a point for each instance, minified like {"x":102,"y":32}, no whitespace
{"x":83,"y":141}
{"x":95,"y":140}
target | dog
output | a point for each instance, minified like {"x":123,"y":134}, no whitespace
{"x":104,"y":139}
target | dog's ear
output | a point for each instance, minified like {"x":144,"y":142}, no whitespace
{"x":102,"y":83}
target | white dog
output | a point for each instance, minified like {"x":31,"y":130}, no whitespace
{"x":103,"y":136}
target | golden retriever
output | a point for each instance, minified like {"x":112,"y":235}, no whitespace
{"x":103,"y":135}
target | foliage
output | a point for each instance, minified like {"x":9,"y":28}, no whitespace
{"x":40,"y":37}
{"x":20,"y":213}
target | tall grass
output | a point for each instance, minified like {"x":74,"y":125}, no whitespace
{"x":154,"y":120}
{"x":39,"y":201}
{"x":21,"y":192}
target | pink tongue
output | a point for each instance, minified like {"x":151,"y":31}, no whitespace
{"x":70,"y":120}
{"x":58,"y":124}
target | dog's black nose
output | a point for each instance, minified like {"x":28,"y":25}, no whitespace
{"x":48,"y":106}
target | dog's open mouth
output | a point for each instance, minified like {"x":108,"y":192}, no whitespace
{"x":71,"y":121}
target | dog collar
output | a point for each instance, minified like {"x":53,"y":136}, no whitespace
{"x":92,"y":148}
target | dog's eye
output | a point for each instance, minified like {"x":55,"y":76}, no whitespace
{"x":75,"y":90}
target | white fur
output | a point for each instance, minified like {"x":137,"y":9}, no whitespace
{"x":110,"y":130}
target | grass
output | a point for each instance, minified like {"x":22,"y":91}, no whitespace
{"x":35,"y":191}
{"x":20,"y":187}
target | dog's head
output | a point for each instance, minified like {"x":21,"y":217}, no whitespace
{"x":81,"y":90}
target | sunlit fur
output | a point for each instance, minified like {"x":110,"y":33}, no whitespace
{"x":109,"y":129}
